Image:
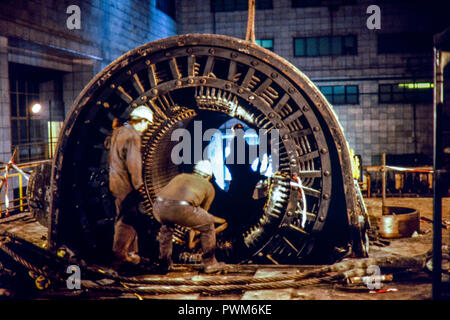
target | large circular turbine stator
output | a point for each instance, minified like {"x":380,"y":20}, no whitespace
{"x":187,"y":78}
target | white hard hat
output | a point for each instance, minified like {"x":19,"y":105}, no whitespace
{"x":142,"y":112}
{"x":204,"y":167}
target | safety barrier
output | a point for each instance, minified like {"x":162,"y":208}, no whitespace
{"x":399,"y":180}
{"x":15,"y":176}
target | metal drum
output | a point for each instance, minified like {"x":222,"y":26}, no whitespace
{"x":399,"y":222}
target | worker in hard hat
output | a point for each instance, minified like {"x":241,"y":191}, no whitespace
{"x":185,"y":201}
{"x":125,"y":179}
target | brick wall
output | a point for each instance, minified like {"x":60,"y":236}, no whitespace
{"x":370,"y":127}
{"x":5,"y":126}
{"x":110,"y":28}
{"x":34,"y":32}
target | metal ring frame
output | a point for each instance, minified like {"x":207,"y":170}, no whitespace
{"x":178,"y":77}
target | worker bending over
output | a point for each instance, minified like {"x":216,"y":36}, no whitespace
{"x":185,"y":201}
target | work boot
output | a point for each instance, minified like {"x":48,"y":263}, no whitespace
{"x":133,"y":267}
{"x":210,"y":263}
{"x":216,"y":267}
{"x":163,"y":266}
{"x":128,"y":269}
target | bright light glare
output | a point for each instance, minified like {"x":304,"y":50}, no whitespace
{"x":36,"y":108}
{"x":416,"y":85}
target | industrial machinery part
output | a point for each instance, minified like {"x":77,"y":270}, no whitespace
{"x":212,"y":78}
{"x":38,"y":192}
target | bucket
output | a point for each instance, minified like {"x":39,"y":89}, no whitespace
{"x":399,"y":222}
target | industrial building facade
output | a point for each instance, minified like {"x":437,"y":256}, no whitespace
{"x":378,"y":80}
{"x":44,"y":60}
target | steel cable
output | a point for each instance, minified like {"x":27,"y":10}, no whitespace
{"x":19,"y":259}
{"x":241,"y":280}
{"x":215,"y":288}
{"x":211,"y":289}
{"x":342,"y":270}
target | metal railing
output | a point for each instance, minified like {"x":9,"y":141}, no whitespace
{"x":15,"y":175}
{"x":398,"y":181}
{"x":35,"y":151}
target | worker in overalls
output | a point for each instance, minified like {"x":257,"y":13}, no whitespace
{"x":125,"y":180}
{"x":185,"y":201}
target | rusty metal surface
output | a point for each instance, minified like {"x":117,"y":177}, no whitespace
{"x":397,"y":222}
{"x":38,"y":193}
{"x":412,"y":287}
{"x":179,"y":77}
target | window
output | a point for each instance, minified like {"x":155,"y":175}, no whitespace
{"x":265,"y":43}
{"x":405,"y":93}
{"x":405,"y":43}
{"x":340,"y":94}
{"x":325,"y":46}
{"x":319,"y":3}
{"x":167,"y":6}
{"x":238,"y":5}
{"x":34,"y":131}
{"x":27,"y":130}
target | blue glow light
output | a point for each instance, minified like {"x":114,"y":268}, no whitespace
{"x":219,"y":149}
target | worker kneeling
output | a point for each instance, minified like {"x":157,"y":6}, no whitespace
{"x":185,"y":201}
